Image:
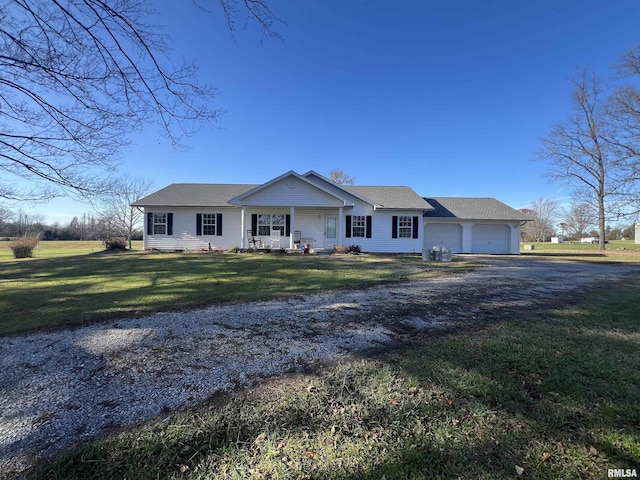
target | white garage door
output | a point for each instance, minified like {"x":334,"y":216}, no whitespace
{"x":448,"y":235}
{"x":490,"y":239}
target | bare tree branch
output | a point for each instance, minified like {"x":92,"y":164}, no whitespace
{"x":116,"y":205}
{"x":77,"y":77}
{"x":585,"y":151}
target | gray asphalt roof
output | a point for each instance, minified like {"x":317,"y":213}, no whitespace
{"x":391,"y":197}
{"x":194,"y":195}
{"x":215,"y":195}
{"x":467,"y":208}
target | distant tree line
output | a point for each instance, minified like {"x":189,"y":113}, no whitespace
{"x":578,"y":220}
{"x":85,"y":227}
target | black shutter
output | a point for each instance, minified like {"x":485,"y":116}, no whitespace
{"x":394,"y":226}
{"x":287,"y":222}
{"x":149,"y":223}
{"x":169,"y":223}
{"x":368,"y":226}
{"x":198,"y":224}
{"x":219,"y":224}
{"x":415,"y":227}
{"x":254,"y":224}
{"x":348,"y":228}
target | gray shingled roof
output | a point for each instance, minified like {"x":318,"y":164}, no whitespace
{"x":391,"y":197}
{"x":214,"y":195}
{"x":473,"y":209}
{"x":194,"y":195}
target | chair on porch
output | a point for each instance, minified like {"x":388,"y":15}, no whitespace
{"x":297,"y":238}
{"x":253,"y":241}
{"x":275,"y":238}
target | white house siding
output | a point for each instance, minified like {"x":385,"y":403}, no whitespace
{"x":381,"y":240}
{"x":515,"y":238}
{"x":311,"y":223}
{"x":184,"y":230}
{"x":291,"y":192}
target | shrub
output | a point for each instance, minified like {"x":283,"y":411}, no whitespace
{"x":356,"y":249}
{"x":340,"y":249}
{"x":115,"y":243}
{"x":23,"y":247}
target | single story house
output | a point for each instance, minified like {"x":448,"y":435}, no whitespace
{"x":295,"y":209}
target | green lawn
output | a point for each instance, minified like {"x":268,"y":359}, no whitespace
{"x":52,"y":249}
{"x":555,"y":395}
{"x":54,"y":290}
{"x":616,"y":251}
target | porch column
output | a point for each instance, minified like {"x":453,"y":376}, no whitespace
{"x":243,"y":230}
{"x":340,"y":226}
{"x":292,"y":226}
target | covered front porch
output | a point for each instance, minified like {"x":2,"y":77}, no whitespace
{"x":288,"y":228}
{"x":291,"y":208}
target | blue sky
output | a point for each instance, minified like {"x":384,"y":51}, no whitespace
{"x":450,"y":97}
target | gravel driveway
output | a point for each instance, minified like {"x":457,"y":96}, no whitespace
{"x":60,"y":388}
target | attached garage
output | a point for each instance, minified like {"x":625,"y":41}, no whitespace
{"x":491,"y":239}
{"x":448,"y":235}
{"x":473,"y":225}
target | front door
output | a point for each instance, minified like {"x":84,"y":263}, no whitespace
{"x":330,"y":230}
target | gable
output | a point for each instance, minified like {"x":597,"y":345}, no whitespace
{"x":290,"y":190}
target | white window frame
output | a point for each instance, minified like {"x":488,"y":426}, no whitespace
{"x":209,"y":223}
{"x":264,"y":225}
{"x":271,"y":221}
{"x":358,"y":226}
{"x":160,"y":223}
{"x":405,"y":226}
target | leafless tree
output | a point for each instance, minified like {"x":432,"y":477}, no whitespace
{"x":78,"y":76}
{"x":340,"y":177}
{"x":115,"y":207}
{"x":583,"y":151}
{"x":579,"y":219}
{"x":6,"y":216}
{"x":543,"y":212}
{"x":28,"y":224}
{"x":625,"y":109}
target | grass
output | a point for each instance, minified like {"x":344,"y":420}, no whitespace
{"x":56,"y":249}
{"x":616,"y":251}
{"x":555,"y":395}
{"x":53,"y":291}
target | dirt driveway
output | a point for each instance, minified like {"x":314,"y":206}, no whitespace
{"x":65,"y":387}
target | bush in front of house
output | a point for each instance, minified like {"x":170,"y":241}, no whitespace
{"x":355,"y":249}
{"x":340,"y":249}
{"x":344,"y":250}
{"x":118,"y":244}
{"x":24,"y":247}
